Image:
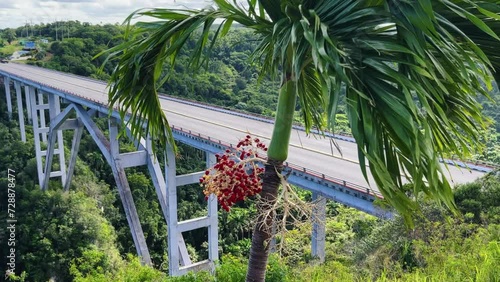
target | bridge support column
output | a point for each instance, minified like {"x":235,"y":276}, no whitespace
{"x":6,"y":82}
{"x":318,"y":230}
{"x":58,"y":123}
{"x":55,"y":136}
{"x":124,"y":189}
{"x":213,"y":217}
{"x":37,"y":131}
{"x":172,"y":221}
{"x":110,"y":150}
{"x":41,"y":106}
{"x":20,"y":110}
{"x":177,"y":251}
{"x":28,"y":102}
{"x":75,"y":146}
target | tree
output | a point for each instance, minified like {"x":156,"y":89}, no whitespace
{"x":411,"y":72}
{"x":9,"y":34}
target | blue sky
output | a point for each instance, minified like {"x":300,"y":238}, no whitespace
{"x":15,"y":13}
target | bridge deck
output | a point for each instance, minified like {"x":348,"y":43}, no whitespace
{"x":312,"y":152}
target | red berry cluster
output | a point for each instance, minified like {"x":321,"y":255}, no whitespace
{"x":236,"y":175}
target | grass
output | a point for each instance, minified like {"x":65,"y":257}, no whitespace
{"x":10,"y":49}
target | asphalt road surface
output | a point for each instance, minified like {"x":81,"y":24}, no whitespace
{"x":312,"y":152}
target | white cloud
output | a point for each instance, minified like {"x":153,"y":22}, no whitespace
{"x":15,"y":13}
{"x":6,"y":4}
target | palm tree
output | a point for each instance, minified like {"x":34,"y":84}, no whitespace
{"x":411,"y":71}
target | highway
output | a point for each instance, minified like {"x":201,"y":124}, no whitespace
{"x":312,"y":152}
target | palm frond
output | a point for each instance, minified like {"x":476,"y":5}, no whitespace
{"x":148,"y":45}
{"x":411,"y":80}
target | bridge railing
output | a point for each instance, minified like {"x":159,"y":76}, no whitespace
{"x":341,"y":136}
{"x":335,"y":180}
{"x":293,"y":167}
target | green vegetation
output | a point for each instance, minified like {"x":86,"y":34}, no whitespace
{"x":83,"y":235}
{"x":8,"y":50}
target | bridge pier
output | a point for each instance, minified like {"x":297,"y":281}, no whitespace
{"x":57,"y":125}
{"x":179,"y":262}
{"x":213,"y":227}
{"x":166,"y":188}
{"x":124,"y":191}
{"x":318,"y":228}
{"x":171,"y":216}
{"x":28,"y":101}
{"x":38,"y":111}
{"x":75,"y":146}
{"x":41,"y":118}
{"x":39,"y":129}
{"x":6,"y":82}
{"x":20,"y":111}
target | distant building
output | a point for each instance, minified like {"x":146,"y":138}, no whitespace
{"x":45,"y":41}
{"x":29,"y":46}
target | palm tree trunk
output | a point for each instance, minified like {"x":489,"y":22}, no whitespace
{"x":262,"y":232}
{"x":277,"y":154}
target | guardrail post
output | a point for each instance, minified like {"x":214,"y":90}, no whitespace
{"x":318,"y":230}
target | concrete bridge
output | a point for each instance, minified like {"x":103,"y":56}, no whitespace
{"x":314,"y":162}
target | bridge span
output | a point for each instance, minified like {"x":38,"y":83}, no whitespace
{"x":314,"y":162}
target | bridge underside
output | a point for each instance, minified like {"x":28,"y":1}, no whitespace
{"x":77,"y":115}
